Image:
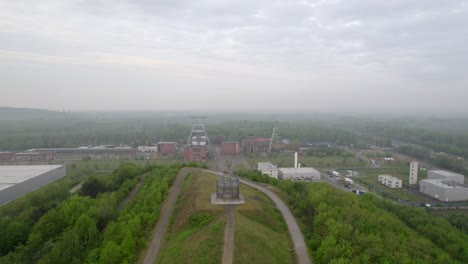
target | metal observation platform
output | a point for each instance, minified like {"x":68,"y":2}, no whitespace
{"x":227,"y":190}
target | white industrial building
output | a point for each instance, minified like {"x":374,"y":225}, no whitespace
{"x":296,"y":173}
{"x":413,"y":174}
{"x":444,"y":185}
{"x":299,"y":174}
{"x":268,"y":168}
{"x":16,"y":181}
{"x":445,"y":175}
{"x":390,"y":181}
{"x":350,"y":173}
{"x":148,"y":149}
{"x":446,"y":191}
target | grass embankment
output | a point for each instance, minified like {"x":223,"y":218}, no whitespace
{"x":196,"y":234}
{"x":261,"y":236}
{"x":197,"y":231}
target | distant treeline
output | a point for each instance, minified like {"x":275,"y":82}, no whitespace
{"x":75,"y":132}
{"x":439,"y":160}
{"x":452,"y":142}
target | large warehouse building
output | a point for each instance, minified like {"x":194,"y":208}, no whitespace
{"x":446,"y":186}
{"x":445,"y":175}
{"x":447,"y":191}
{"x":16,"y":181}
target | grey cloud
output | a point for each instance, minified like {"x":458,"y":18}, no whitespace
{"x":327,"y":45}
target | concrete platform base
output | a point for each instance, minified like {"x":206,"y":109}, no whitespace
{"x":226,"y":201}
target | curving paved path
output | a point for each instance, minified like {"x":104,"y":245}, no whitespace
{"x":298,"y":239}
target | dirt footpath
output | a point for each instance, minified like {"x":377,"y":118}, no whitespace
{"x":228,"y":251}
{"x":132,"y":194}
{"x":161,"y":226}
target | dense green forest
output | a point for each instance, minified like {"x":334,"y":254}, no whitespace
{"x":88,"y":227}
{"x":73,"y":130}
{"x":341,"y":227}
{"x":33,"y":128}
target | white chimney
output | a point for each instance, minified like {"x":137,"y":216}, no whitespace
{"x":295,"y":159}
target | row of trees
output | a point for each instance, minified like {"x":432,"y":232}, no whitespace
{"x":18,"y":217}
{"x":341,"y":227}
{"x":326,"y":151}
{"x":451,"y":142}
{"x":440,"y":160}
{"x":76,"y":228}
{"x":74,"y":132}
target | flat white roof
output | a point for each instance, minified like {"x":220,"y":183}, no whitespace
{"x":266,"y":166}
{"x":447,"y":173}
{"x":11,"y":175}
{"x":445,"y":184}
{"x":299,"y":170}
{"x":4,"y":186}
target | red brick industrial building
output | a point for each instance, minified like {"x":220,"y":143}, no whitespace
{"x":255,"y":145}
{"x":230,"y":148}
{"x":167,"y":148}
{"x":195,"y":153}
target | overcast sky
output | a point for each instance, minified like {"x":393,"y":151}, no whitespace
{"x":229,"y":55}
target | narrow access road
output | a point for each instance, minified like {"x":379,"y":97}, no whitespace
{"x":132,"y":194}
{"x":228,"y":251}
{"x":161,"y":225}
{"x":298,"y":239}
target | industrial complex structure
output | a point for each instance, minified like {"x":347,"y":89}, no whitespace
{"x":255,"y":145}
{"x":198,"y":141}
{"x":296,"y":173}
{"x":230,"y":148}
{"x":444,"y":185}
{"x":390,"y":181}
{"x":252,"y":144}
{"x":16,"y":181}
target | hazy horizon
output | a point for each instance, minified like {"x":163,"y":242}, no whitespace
{"x":312,"y":56}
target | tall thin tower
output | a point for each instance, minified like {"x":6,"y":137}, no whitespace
{"x":413,"y":174}
{"x":274,"y":137}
